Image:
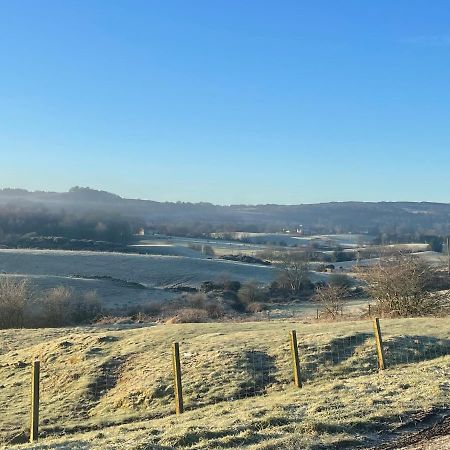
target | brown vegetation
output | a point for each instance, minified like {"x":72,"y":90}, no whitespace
{"x":404,"y":286}
{"x":14,"y":297}
{"x":59,"y":306}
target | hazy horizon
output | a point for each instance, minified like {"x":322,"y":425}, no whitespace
{"x":49,"y":191}
{"x":227,"y":102}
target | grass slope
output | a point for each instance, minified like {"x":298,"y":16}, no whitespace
{"x":112,"y":388}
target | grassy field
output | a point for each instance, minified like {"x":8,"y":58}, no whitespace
{"x":112,"y":387}
{"x":158,"y":274}
{"x":151,"y":270}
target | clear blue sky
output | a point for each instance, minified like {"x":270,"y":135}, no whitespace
{"x":227,"y":101}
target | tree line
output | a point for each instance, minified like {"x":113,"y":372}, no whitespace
{"x":19,"y":224}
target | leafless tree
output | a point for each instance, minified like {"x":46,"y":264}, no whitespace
{"x":404,"y":286}
{"x":293,"y":275}
{"x":331,"y":298}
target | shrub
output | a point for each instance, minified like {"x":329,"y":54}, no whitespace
{"x":190,"y":315}
{"x":230,"y":285}
{"x":14,"y":299}
{"x":402,"y":287}
{"x":255,"y":307}
{"x":321,"y":268}
{"x":331,"y":299}
{"x":250,"y":293}
{"x":214,"y":310}
{"x":293,"y":276}
{"x":56,"y":307}
{"x":208,"y":286}
{"x":63,"y":306}
{"x":152,"y":309}
{"x":340,"y":280}
{"x":196,"y":301}
{"x":85,"y":308}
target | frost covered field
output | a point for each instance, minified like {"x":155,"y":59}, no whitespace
{"x":81,"y":269}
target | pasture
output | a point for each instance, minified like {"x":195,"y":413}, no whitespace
{"x":112,"y":387}
{"x":121,"y":278}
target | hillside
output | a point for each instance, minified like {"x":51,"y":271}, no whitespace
{"x":391,"y":217}
{"x":112,"y":387}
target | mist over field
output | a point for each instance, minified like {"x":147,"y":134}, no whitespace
{"x":88,"y":213}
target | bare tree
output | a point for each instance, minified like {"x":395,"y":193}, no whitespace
{"x":403,"y":287}
{"x":331,"y":298}
{"x":293,"y":276}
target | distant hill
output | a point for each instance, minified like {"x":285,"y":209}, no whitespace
{"x":337,"y":217}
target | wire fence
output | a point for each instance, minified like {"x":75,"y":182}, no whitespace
{"x":211,"y":376}
{"x":14,"y":399}
{"x":97,"y":389}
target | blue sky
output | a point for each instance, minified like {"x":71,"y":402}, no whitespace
{"x":227,"y":101}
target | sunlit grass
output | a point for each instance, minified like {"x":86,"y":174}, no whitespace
{"x":113,"y":388}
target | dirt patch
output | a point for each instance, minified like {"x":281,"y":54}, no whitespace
{"x":436,"y":437}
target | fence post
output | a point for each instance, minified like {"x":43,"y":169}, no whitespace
{"x":295,"y":359}
{"x":34,"y":417}
{"x":379,"y":343}
{"x":179,"y":408}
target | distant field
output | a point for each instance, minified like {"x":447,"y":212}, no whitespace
{"x":48,"y":268}
{"x":293,"y":240}
{"x":181,"y":246}
{"x":429,"y":257}
{"x":153,"y":271}
{"x":111,"y":387}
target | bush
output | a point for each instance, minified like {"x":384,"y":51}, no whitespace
{"x":340,"y":280}
{"x":190,"y":315}
{"x":250,"y":293}
{"x":196,"y":301}
{"x":255,"y":307}
{"x":14,"y":299}
{"x":321,"y":268}
{"x":85,"y":308}
{"x":214,"y":310}
{"x":152,"y":309}
{"x":56,"y":307}
{"x":230,"y":285}
{"x":209,"y":286}
{"x":403,"y":287}
{"x":293,"y":276}
{"x":223,"y":284}
{"x":331,"y":298}
{"x":63,"y":306}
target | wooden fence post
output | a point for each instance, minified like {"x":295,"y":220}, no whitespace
{"x":295,"y":359}
{"x":448,"y":253}
{"x":179,"y":408}
{"x":34,"y":417}
{"x":379,"y":343}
